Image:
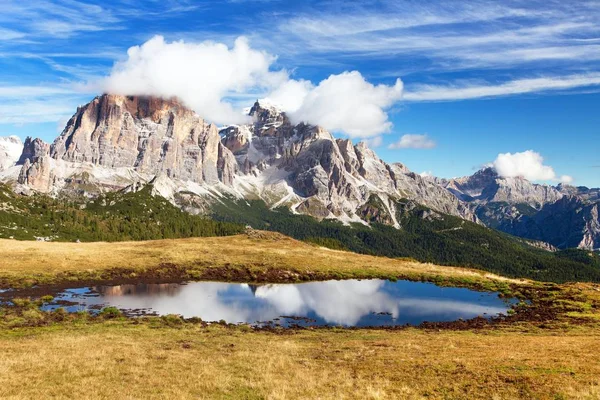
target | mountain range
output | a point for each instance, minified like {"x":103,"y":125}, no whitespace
{"x":125,"y":143}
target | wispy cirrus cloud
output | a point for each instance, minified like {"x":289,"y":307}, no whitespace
{"x":63,"y":19}
{"x":479,"y":34}
{"x":465,"y":91}
{"x":23,"y":104}
{"x":43,"y":18}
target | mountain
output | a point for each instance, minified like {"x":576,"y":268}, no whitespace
{"x":124,"y":143}
{"x":486,"y":186}
{"x":563,"y":216}
{"x":115,"y":142}
{"x":10,"y":150}
{"x":426,"y":235}
{"x":131,"y":168}
{"x":306,"y":168}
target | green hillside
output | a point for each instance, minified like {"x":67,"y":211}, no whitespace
{"x":442,"y":239}
{"x":424,"y":235}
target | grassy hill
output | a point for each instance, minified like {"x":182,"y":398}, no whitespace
{"x":112,"y":217}
{"x":424,"y":235}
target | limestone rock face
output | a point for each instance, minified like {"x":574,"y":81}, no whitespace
{"x":150,"y":135}
{"x":36,"y":166}
{"x":426,"y":191}
{"x":37,"y":175}
{"x":568,"y":222}
{"x":326,"y":177}
{"x":33,"y":149}
{"x":115,"y":142}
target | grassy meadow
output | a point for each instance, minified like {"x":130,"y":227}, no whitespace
{"x":53,"y":355}
{"x":122,"y":359}
{"x":28,"y":262}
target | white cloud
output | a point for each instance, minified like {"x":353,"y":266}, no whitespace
{"x":349,"y":104}
{"x":566,"y":179}
{"x":374,"y":142}
{"x":529,"y":165}
{"x":413,"y":141}
{"x":426,"y":174}
{"x":518,"y":86}
{"x":207,"y":76}
{"x":290,"y":95}
{"x":203,"y":74}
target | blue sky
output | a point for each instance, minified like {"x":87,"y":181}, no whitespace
{"x":480,"y":77}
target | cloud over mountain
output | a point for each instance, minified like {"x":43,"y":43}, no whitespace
{"x":202,"y":74}
{"x":344,"y":102}
{"x":212,"y":78}
{"x":527,"y":164}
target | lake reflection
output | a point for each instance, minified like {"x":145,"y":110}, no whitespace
{"x":347,"y":303}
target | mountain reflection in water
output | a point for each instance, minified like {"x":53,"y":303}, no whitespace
{"x":347,"y":303}
{"x":140,"y":289}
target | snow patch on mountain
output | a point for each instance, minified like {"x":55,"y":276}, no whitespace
{"x":10,"y":151}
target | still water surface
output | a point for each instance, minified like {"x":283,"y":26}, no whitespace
{"x":344,"y":303}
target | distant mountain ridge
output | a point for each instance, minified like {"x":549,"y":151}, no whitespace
{"x":125,"y":142}
{"x":563,"y":215}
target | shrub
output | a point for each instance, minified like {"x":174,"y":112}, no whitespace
{"x":110,"y":313}
{"x":172,"y":319}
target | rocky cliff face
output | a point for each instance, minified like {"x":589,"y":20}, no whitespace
{"x":36,"y":171}
{"x":485,"y":186}
{"x":568,"y":222}
{"x":118,"y":141}
{"x":306,"y":168}
{"x":152,"y":136}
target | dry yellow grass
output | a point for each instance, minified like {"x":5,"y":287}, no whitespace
{"x":274,"y":251}
{"x":126,"y":359}
{"x":122,"y":360}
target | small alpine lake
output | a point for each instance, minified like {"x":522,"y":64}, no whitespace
{"x":347,"y":303}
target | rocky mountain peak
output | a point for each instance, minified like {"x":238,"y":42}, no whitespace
{"x":263,"y":110}
{"x":116,"y":141}
{"x":486,"y":186}
{"x":473,"y":187}
{"x":131,"y":137}
{"x":32,"y":150}
{"x":12,"y":139}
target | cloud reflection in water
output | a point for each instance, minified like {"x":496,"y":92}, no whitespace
{"x":348,"y":303}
